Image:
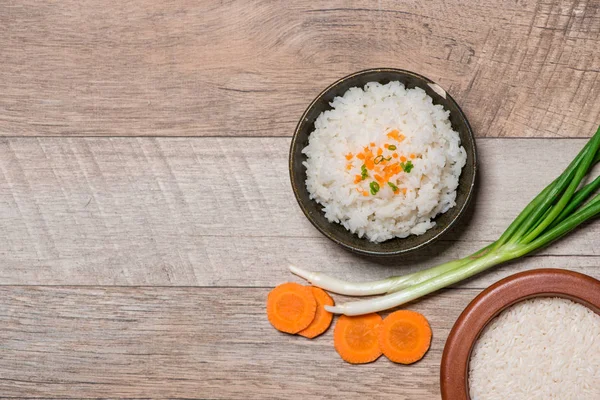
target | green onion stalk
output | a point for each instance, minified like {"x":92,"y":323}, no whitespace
{"x":562,"y":206}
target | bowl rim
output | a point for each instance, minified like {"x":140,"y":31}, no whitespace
{"x":376,"y":253}
{"x":542,"y":282}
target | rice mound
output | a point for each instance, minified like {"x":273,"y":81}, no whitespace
{"x":361,"y":118}
{"x":544,"y":348}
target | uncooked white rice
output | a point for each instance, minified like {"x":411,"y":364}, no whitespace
{"x":544,"y":348}
{"x":361,"y":117}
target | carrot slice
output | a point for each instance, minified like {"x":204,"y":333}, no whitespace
{"x":356,"y":338}
{"x":405,"y":336}
{"x":291,"y":307}
{"x":322,"y":318}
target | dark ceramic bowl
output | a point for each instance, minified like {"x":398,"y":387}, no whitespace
{"x":337,"y":232}
{"x":548,"y":282}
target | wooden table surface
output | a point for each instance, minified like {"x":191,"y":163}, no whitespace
{"x":145,"y":205}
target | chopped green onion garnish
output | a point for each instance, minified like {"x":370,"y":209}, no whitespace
{"x":407,"y":167}
{"x":364,"y":174}
{"x":380,"y":159}
{"x":392,"y":147}
{"x":394,"y":187}
{"x":374,"y":187}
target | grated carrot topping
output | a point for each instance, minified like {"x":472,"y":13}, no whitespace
{"x":393,"y":134}
{"x":377,"y":163}
{"x":391,"y":170}
{"x":396,"y":135}
{"x":412,"y":155}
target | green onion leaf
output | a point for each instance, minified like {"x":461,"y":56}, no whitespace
{"x":392,"y":147}
{"x":394,"y":187}
{"x":374,"y":187}
{"x":378,"y":159}
{"x":560,"y":208}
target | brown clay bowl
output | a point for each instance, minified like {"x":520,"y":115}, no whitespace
{"x":571,"y":285}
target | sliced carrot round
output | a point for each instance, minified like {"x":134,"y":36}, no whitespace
{"x":405,"y":336}
{"x":356,"y":338}
{"x":322,"y":318}
{"x":291,"y":307}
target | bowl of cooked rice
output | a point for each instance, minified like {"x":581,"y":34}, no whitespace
{"x":383,"y":162}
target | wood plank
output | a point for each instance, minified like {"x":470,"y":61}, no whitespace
{"x":209,"y":211}
{"x":249,"y":68}
{"x":190,"y":343}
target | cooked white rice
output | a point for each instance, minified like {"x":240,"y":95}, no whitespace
{"x":361,"y":117}
{"x":545,"y":348}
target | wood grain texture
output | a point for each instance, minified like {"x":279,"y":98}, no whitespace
{"x":220,"y":212}
{"x":190,"y":343}
{"x":249,"y":68}
{"x":133,"y":265}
